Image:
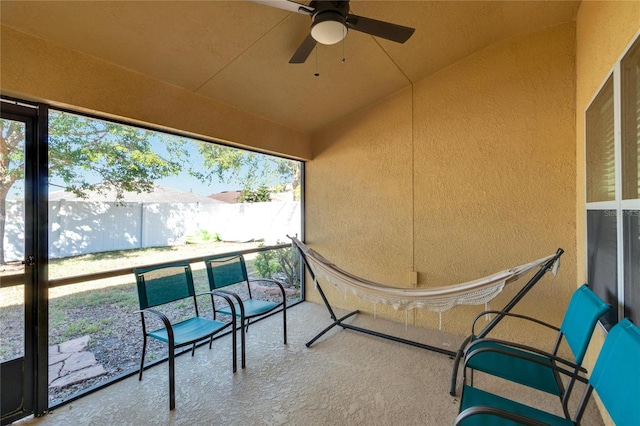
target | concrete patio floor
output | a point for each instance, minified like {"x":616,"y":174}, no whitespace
{"x":345,"y":378}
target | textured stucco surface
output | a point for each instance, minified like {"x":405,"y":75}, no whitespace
{"x":477,"y":177}
{"x":604,"y":30}
{"x":359,"y":196}
{"x":34,"y":69}
{"x":494,"y":171}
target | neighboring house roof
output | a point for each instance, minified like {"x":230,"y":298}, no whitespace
{"x":226,"y":196}
{"x":159,"y":194}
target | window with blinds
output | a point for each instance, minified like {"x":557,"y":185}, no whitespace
{"x":602,"y":243}
{"x":600,"y":146}
{"x":630,"y":158}
{"x":630,"y":79}
{"x":612,"y":138}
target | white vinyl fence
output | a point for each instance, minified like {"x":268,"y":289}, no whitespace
{"x":81,"y":227}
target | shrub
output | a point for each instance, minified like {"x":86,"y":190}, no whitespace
{"x":275,"y":263}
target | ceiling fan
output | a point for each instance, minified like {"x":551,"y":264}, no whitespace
{"x":330,"y":21}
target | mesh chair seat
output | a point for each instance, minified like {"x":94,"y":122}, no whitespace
{"x":511,"y":367}
{"x":252,"y":307}
{"x":189,"y":330}
{"x":473,"y":397}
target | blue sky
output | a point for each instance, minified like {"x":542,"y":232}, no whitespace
{"x":186,"y":183}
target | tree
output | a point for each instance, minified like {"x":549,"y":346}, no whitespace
{"x":90,"y":155}
{"x":11,"y":167}
{"x":93,"y":155}
{"x":256,"y":172}
{"x":260,"y":195}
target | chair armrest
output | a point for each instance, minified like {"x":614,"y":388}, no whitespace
{"x":226,"y":294}
{"x":487,"y":410}
{"x":163,"y":318}
{"x":470,"y":353}
{"x":509,"y":314}
{"x":278,"y":283}
{"x":226,"y":297}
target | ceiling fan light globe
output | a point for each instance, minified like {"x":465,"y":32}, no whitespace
{"x":328,"y":28}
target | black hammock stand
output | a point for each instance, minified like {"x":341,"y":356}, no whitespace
{"x":457,"y":355}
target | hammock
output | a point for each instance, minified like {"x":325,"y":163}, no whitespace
{"x":438,"y":299}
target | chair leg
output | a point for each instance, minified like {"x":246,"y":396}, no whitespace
{"x":172,"y":379}
{"x":234,"y":344}
{"x":193,"y":350}
{"x":242,"y":342}
{"x":565,"y":393}
{"x":464,"y":376}
{"x":144,"y":349}
{"x":284,"y":323}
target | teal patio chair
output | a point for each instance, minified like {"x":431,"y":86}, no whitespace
{"x":224,"y":271}
{"x":160,"y":290}
{"x":615,"y":378}
{"x":532,"y":366}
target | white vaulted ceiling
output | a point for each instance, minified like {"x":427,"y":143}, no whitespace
{"x":237,"y":52}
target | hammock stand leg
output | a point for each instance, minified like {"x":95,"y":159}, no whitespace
{"x":523,"y":291}
{"x":449,"y":353}
{"x":338,"y":321}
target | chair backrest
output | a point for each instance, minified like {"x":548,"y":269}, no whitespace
{"x":158,"y":285}
{"x":583,"y":312}
{"x":616,"y":375}
{"x":224,"y":270}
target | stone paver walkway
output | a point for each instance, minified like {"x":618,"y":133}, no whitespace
{"x":69,"y":363}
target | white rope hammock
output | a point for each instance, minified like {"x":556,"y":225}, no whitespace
{"x":438,"y":299}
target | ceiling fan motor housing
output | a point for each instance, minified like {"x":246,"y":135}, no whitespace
{"x":328,"y":27}
{"x":329,"y":21}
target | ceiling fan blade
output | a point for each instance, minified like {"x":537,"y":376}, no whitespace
{"x":303,"y":51}
{"x":393,"y":32}
{"x":288,"y":5}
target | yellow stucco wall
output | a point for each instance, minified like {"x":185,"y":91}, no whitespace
{"x":359,"y":196}
{"x":36,"y":70}
{"x":477,"y":177}
{"x":604,"y":30}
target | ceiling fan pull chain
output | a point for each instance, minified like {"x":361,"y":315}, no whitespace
{"x":343,"y":59}
{"x":316,"y":74}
